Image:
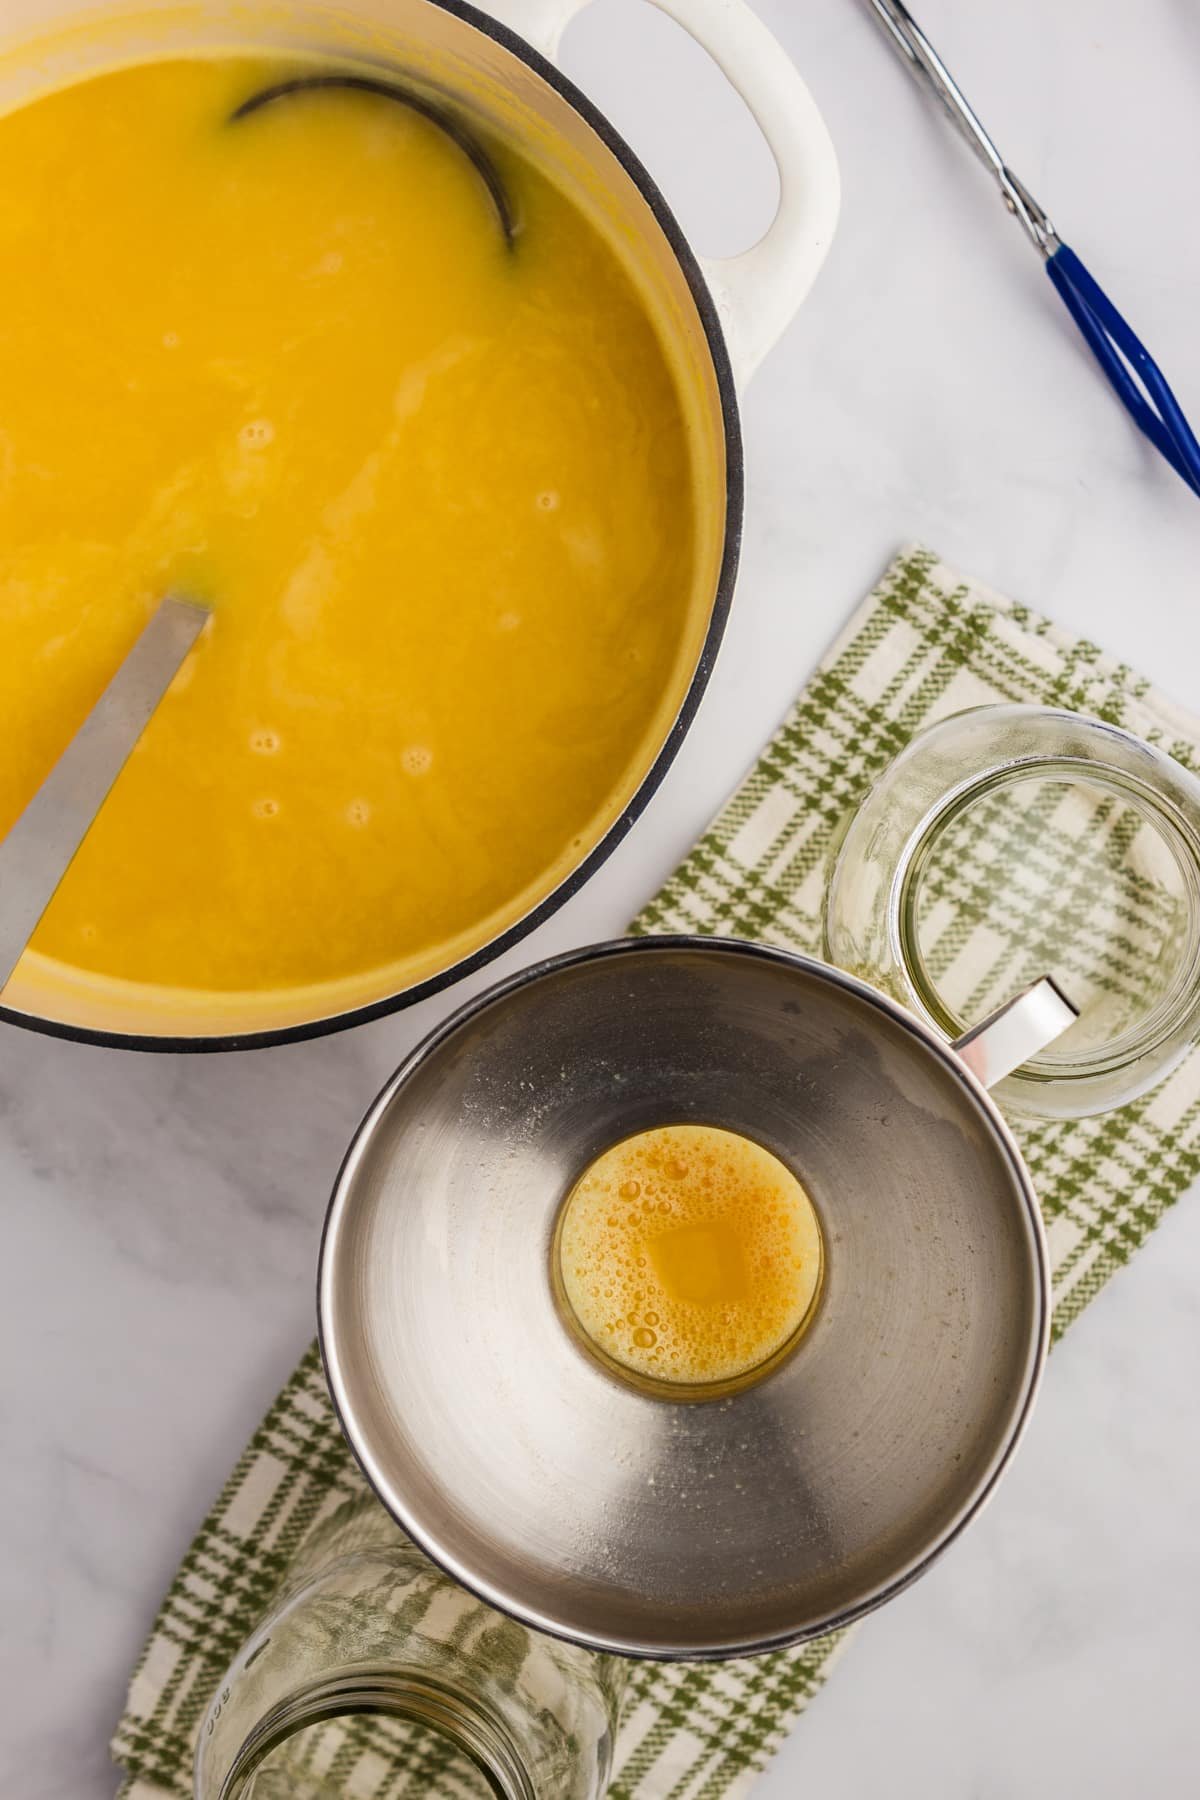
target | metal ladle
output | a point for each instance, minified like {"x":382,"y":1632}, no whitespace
{"x":437,"y":115}
{"x":40,"y":847}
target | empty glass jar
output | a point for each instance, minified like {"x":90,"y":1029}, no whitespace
{"x":1009,"y":842}
{"x":375,"y":1675}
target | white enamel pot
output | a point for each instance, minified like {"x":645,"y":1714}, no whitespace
{"x":723,"y":316}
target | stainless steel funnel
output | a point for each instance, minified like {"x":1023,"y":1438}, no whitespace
{"x":624,"y":1521}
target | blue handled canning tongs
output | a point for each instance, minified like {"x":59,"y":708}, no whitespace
{"x":1136,"y":378}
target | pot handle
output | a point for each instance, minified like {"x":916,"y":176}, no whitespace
{"x":759,"y":292}
{"x":1008,"y":1037}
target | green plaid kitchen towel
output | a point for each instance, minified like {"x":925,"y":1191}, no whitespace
{"x":924,"y":645}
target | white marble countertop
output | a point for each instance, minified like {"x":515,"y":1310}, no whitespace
{"x":161,"y":1214}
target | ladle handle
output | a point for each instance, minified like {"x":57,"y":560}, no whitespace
{"x":759,"y":292}
{"x":37,"y":850}
{"x":1016,"y":1031}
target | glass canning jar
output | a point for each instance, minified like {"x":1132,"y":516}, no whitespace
{"x":1008,"y":842}
{"x":373,"y":1674}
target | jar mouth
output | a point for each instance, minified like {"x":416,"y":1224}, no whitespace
{"x":1167,"y":1018}
{"x":467,"y":1730}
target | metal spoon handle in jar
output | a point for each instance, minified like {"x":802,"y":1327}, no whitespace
{"x":38,"y":850}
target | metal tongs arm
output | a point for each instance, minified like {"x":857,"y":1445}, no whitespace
{"x":929,"y":69}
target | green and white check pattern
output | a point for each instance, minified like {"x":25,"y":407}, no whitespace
{"x":924,"y":645}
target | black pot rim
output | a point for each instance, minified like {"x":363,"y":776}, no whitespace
{"x":718,"y":617}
